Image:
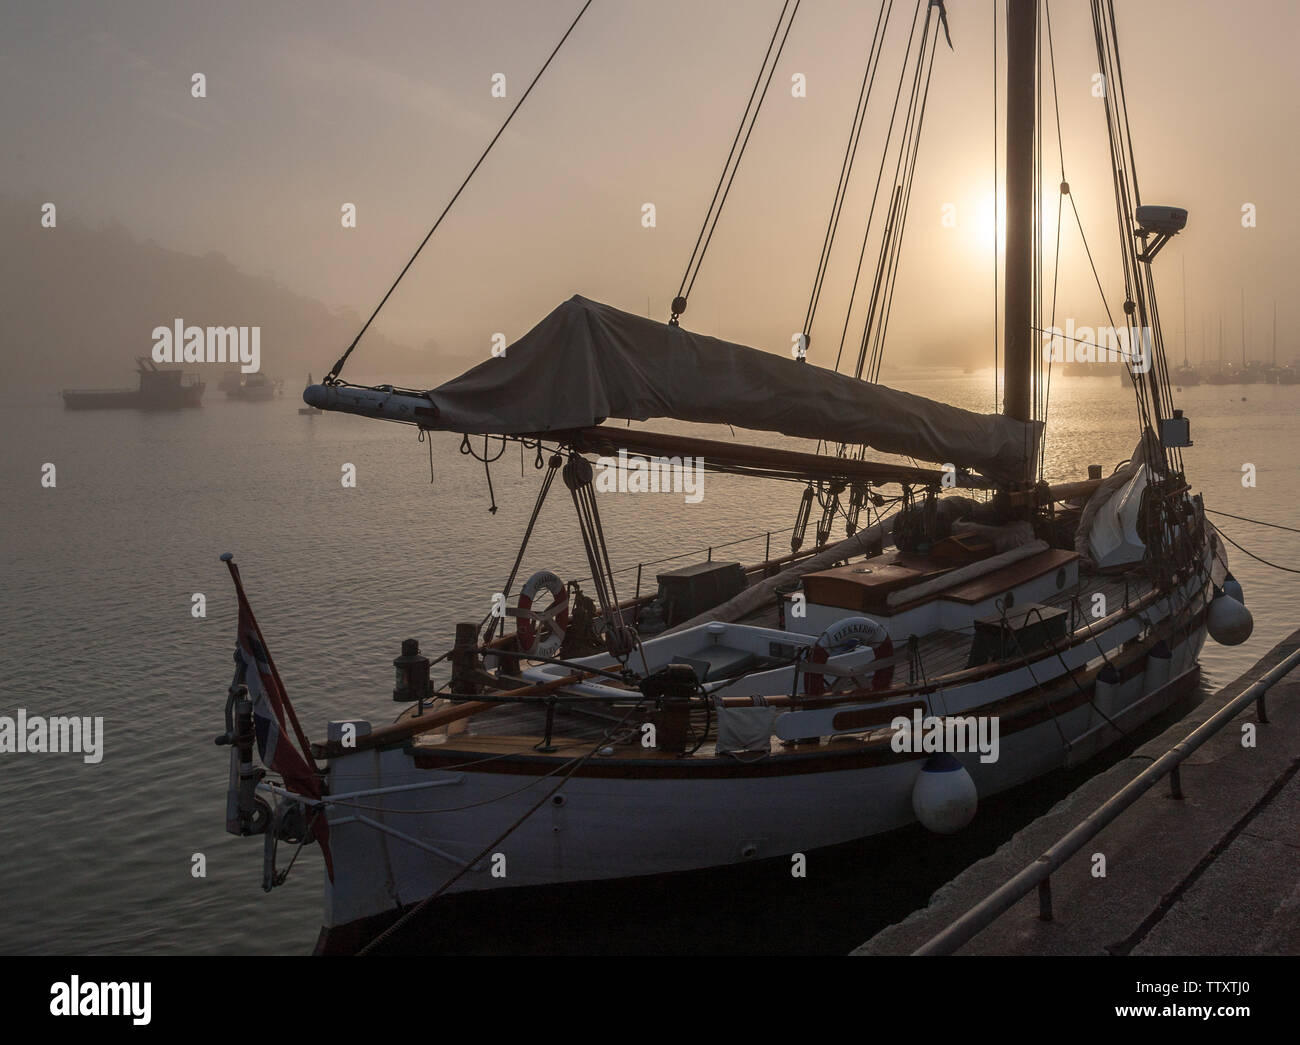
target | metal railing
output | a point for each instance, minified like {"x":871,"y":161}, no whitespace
{"x":1039,"y":873}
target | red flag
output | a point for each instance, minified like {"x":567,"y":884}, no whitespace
{"x":272,"y":711}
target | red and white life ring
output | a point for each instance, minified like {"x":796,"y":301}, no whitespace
{"x":555,"y":618}
{"x":863,"y":630}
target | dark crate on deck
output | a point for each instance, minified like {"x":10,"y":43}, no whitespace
{"x":691,"y":590}
{"x":1024,"y":629}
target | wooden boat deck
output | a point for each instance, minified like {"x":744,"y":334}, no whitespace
{"x":514,"y":729}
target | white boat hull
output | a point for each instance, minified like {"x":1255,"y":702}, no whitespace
{"x":396,"y":849}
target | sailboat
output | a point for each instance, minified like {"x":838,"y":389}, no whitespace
{"x":747,"y":713}
{"x":1223,"y":374}
{"x":1250,"y":372}
{"x":1186,"y":375}
{"x":1278,"y":375}
{"x":310,"y":411}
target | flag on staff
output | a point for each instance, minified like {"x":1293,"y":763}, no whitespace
{"x":272,"y":712}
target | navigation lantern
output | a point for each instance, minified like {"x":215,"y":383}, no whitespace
{"x":412,"y":674}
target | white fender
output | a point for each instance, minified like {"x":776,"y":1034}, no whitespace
{"x":944,"y":797}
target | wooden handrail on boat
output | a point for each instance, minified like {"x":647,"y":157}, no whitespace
{"x":405,"y":728}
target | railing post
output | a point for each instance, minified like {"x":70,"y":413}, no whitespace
{"x":1175,"y":783}
{"x":1261,"y":711}
{"x":636,"y":615}
{"x":1045,"y":900}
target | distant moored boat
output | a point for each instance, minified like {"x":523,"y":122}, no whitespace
{"x":250,"y":388}
{"x":158,"y":390}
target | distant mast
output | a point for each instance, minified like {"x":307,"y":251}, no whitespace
{"x":1243,"y":328}
{"x":1022,"y":32}
{"x":1186,"y":359}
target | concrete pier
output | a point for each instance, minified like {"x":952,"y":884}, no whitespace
{"x":1214,"y":873}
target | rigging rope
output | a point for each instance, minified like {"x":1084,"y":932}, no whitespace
{"x":846,"y":167}
{"x":875,"y":193}
{"x":619,"y":638}
{"x":332,"y":376}
{"x":997,"y":404}
{"x":1056,"y":267}
{"x":728,"y":175}
{"x":1276,"y":566}
{"x":905,"y":189}
{"x":1154,"y":394}
{"x":884,"y":282}
{"x":466,"y":448}
{"x":568,"y":769}
{"x":1257,"y":522}
{"x":555,"y":463}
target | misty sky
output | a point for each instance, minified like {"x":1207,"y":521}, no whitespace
{"x":387,"y":104}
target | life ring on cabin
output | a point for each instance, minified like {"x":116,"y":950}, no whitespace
{"x":555,"y":619}
{"x":865,"y":632}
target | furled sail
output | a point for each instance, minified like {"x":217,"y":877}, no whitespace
{"x":586,"y":362}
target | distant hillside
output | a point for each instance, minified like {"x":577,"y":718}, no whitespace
{"x":79,"y":304}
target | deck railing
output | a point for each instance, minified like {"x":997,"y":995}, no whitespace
{"x":1039,"y":874}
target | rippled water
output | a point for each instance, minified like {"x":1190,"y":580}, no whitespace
{"x":99,"y":573}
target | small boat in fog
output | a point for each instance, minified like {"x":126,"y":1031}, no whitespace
{"x":250,"y":388}
{"x":158,"y":390}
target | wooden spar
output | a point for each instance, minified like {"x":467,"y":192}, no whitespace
{"x":745,"y":455}
{"x":814,"y":466}
{"x":406,"y":728}
{"x":1080,"y":488}
{"x":1022,"y":18}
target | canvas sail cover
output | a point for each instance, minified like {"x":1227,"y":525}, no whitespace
{"x":586,"y":362}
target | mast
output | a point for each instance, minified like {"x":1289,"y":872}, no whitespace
{"x":1186,"y":361}
{"x":1022,"y":19}
{"x":1243,"y":328}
